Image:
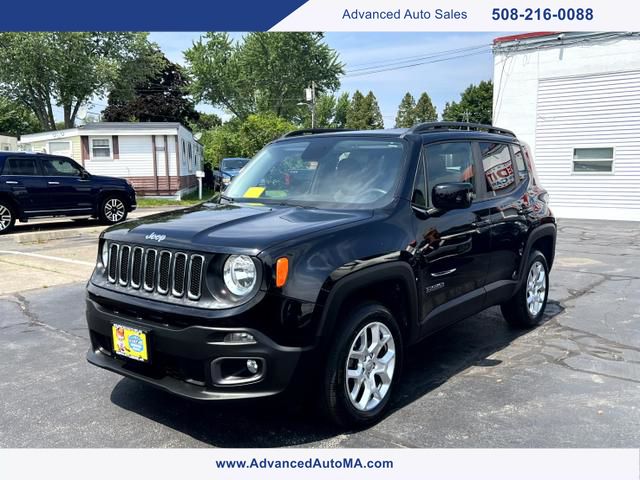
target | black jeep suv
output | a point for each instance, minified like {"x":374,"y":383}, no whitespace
{"x":39,"y":185}
{"x":330,"y":275}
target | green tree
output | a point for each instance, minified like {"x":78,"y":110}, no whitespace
{"x":66,"y":69}
{"x":243,"y":138}
{"x":331,"y":112}
{"x":264,"y":72}
{"x":342,"y":108}
{"x":476,"y":105}
{"x":364,"y":112}
{"x":161,"y":98}
{"x":425,"y":111}
{"x":406,"y":112}
{"x":16,"y":119}
{"x":205,"y":121}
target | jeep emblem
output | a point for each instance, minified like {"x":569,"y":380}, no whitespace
{"x":156,"y":237}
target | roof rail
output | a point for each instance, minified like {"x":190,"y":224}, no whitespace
{"x":313,"y":131}
{"x":437,"y":126}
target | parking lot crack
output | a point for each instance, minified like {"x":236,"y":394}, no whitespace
{"x":33,"y":319}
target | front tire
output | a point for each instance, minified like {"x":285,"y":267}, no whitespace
{"x":112,"y":210}
{"x":526,"y":308}
{"x":7,"y":217}
{"x":363,"y":367}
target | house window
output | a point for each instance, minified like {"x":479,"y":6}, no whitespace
{"x":101,"y":149}
{"x":60,"y":148}
{"x":593,"y":160}
{"x":5,"y":147}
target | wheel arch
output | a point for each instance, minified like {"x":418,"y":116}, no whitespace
{"x":8,"y":197}
{"x":391,"y":284}
{"x":542,"y":238}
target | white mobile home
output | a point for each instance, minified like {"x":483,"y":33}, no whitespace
{"x":158,"y":158}
{"x":8,"y":143}
{"x":575,"y":98}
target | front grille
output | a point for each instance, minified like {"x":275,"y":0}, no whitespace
{"x":164,"y":272}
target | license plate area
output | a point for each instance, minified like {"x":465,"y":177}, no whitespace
{"x":130,"y":342}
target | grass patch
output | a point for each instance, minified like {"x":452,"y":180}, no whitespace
{"x":190,"y":199}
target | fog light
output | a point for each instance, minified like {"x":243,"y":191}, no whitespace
{"x":252,"y":366}
{"x":239,"y":337}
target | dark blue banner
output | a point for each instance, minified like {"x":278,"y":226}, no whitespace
{"x":144,"y":15}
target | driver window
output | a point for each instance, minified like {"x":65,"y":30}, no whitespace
{"x":60,"y":167}
{"x":449,"y":163}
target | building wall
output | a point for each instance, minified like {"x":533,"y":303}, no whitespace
{"x":8,"y":143}
{"x":561,"y":98}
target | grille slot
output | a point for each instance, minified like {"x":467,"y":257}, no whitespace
{"x":136,"y":267}
{"x":164,"y":270}
{"x":150,"y":270}
{"x":195,"y":277}
{"x":113,"y":263}
{"x":123,"y":274}
{"x":177,"y":274}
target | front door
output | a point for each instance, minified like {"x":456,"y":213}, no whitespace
{"x":69,"y":189}
{"x":452,"y":247}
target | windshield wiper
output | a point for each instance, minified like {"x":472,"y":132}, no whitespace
{"x":224,"y":197}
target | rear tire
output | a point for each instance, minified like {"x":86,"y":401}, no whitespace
{"x":112,"y":210}
{"x":526,"y":308}
{"x":361,"y":370}
{"x":7,"y":217}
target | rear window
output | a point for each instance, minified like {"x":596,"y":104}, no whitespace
{"x":498,"y":168}
{"x":23,"y":166}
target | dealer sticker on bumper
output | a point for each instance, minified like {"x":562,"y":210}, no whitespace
{"x":130,"y":342}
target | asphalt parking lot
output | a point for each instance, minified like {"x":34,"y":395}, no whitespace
{"x":572,"y":382}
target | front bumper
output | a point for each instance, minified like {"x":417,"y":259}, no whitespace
{"x":181,"y":357}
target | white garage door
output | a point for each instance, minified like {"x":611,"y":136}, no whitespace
{"x":588,"y":144}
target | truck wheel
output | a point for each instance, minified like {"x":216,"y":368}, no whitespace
{"x":112,"y":210}
{"x":526,"y":307}
{"x":7,"y":217}
{"x":362,"y":367}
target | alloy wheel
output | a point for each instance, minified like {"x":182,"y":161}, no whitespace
{"x":370,"y":366}
{"x":5,"y":218}
{"x":114,"y":210}
{"x":536,"y":288}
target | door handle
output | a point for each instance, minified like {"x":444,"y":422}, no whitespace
{"x":443,"y":273}
{"x":53,"y":183}
{"x":483,"y":223}
{"x":11,"y":182}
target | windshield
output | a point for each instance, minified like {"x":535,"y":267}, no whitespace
{"x":234,"y":163}
{"x":343,"y":172}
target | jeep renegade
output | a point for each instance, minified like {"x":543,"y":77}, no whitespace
{"x":328,"y":255}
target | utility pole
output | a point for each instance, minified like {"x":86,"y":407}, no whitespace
{"x":310,"y":94}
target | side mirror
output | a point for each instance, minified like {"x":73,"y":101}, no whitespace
{"x":451,"y":196}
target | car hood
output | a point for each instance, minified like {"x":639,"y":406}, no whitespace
{"x":231,"y":228}
{"x":111,"y":180}
{"x":231,"y":172}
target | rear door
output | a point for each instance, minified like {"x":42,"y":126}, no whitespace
{"x":69,"y":190}
{"x":502,"y":193}
{"x":453,"y":247}
{"x":22,"y":177}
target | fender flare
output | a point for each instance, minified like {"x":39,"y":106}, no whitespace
{"x":340,"y":291}
{"x":545,"y":230}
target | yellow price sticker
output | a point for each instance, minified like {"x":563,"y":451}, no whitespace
{"x":254,"y":192}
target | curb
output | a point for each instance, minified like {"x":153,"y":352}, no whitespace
{"x":42,"y":237}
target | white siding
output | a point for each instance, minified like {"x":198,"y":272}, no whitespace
{"x":173,"y":168}
{"x":590,"y":111}
{"x":558,"y":98}
{"x":135,"y":159}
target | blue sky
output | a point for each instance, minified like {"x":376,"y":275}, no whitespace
{"x":443,"y":81}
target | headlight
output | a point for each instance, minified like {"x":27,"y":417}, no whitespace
{"x":105,"y":254}
{"x":226,"y":179}
{"x":239,"y":274}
